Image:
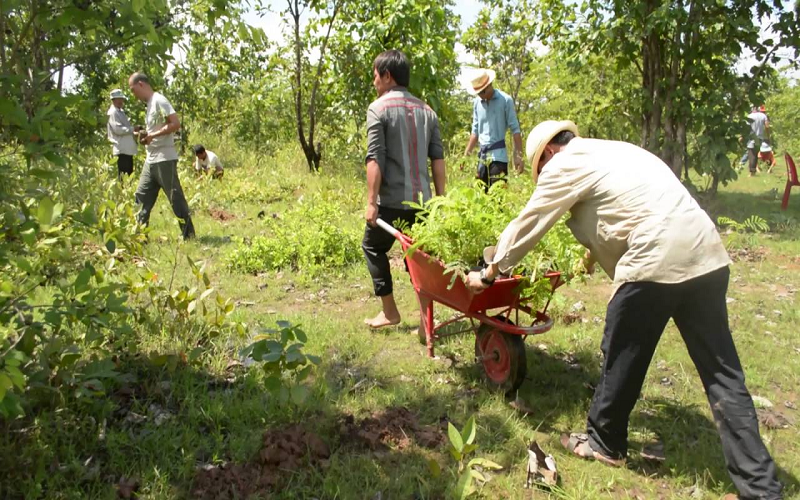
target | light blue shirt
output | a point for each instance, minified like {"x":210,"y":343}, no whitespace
{"x":491,"y":119}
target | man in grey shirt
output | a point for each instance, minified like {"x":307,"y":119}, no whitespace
{"x":402,"y":133}
{"x":160,"y":170}
{"x":759,"y":133}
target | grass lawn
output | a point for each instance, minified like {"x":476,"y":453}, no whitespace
{"x":197,"y":430}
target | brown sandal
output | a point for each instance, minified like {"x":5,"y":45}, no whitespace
{"x":578,"y":444}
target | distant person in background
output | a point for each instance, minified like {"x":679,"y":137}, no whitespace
{"x":402,"y":133}
{"x":160,"y":170}
{"x":120,"y":134}
{"x":205,"y":160}
{"x":759,"y":135}
{"x":492,"y":114}
{"x":765,"y":153}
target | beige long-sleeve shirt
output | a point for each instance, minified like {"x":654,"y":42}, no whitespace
{"x":627,"y":208}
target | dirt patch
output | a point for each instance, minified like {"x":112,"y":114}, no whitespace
{"x":393,"y":427}
{"x":220,"y":214}
{"x":773,"y":419}
{"x":748,"y":254}
{"x":283,"y":452}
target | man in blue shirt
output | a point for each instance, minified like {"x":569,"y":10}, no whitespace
{"x":492,"y":114}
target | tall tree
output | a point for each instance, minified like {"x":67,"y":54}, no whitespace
{"x":684,"y":52}
{"x":328,"y":15}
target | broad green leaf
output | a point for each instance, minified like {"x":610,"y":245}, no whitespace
{"x":28,"y":236}
{"x":485,"y":463}
{"x":45,"y":211}
{"x":304,"y":373}
{"x":272,"y":384}
{"x":455,"y":437}
{"x":468,"y":432}
{"x":5,"y":385}
{"x":464,"y":487}
{"x":299,"y":394}
{"x":82,"y":280}
{"x":111,"y":246}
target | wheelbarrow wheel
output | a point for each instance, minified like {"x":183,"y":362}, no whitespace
{"x":502,"y":356}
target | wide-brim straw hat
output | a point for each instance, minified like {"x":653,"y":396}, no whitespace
{"x":540,"y":136}
{"x":117,"y":94}
{"x":480,"y":79}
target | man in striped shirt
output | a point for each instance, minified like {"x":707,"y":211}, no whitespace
{"x":402,"y":133}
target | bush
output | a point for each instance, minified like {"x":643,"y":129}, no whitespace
{"x":70,"y":300}
{"x":309,"y":238}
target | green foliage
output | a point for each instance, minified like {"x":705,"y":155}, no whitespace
{"x":692,"y":100}
{"x":310,"y":238}
{"x":457,"y":227}
{"x":425,"y":31}
{"x":462,"y":446}
{"x":743,"y":234}
{"x":279,"y":353}
{"x":69,"y":299}
{"x":783,"y":109}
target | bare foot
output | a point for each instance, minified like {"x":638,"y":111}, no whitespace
{"x":381,"y":321}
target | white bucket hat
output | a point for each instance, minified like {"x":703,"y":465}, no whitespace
{"x":480,"y":79}
{"x":540,"y":136}
{"x":117,"y":94}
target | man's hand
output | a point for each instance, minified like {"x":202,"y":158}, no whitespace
{"x":371,"y":214}
{"x":146,"y":139}
{"x":474,"y":282}
{"x":518,"y":165}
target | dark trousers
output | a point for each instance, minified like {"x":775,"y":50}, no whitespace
{"x":377,"y":243}
{"x":158,"y":176}
{"x":124,"y":165}
{"x":493,"y":172}
{"x":635,"y":320}
{"x":752,"y":159}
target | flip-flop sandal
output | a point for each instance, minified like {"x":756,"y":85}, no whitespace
{"x":578,"y":444}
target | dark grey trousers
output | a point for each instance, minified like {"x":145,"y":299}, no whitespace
{"x":158,"y":176}
{"x":635,"y":320}
{"x":377,"y":243}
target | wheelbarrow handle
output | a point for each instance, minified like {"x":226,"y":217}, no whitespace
{"x":387,"y":227}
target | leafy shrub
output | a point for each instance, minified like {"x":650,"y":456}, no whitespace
{"x":457,"y":227}
{"x":309,"y":238}
{"x":469,"y":473}
{"x":67,"y":305}
{"x":743,"y":234}
{"x":285,"y":366}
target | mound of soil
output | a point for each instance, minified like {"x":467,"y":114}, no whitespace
{"x":220,"y":214}
{"x":393,"y":427}
{"x":283,"y":452}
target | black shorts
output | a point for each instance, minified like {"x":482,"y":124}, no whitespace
{"x":124,"y":164}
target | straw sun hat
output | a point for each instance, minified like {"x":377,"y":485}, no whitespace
{"x":540,"y":136}
{"x":479,"y":80}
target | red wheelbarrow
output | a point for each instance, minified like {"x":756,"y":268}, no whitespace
{"x":499,"y":339}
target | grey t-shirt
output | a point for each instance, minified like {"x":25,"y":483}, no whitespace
{"x":162,"y":148}
{"x":402,"y":133}
{"x":758,"y":124}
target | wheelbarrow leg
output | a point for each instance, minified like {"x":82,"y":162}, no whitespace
{"x":426,"y":322}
